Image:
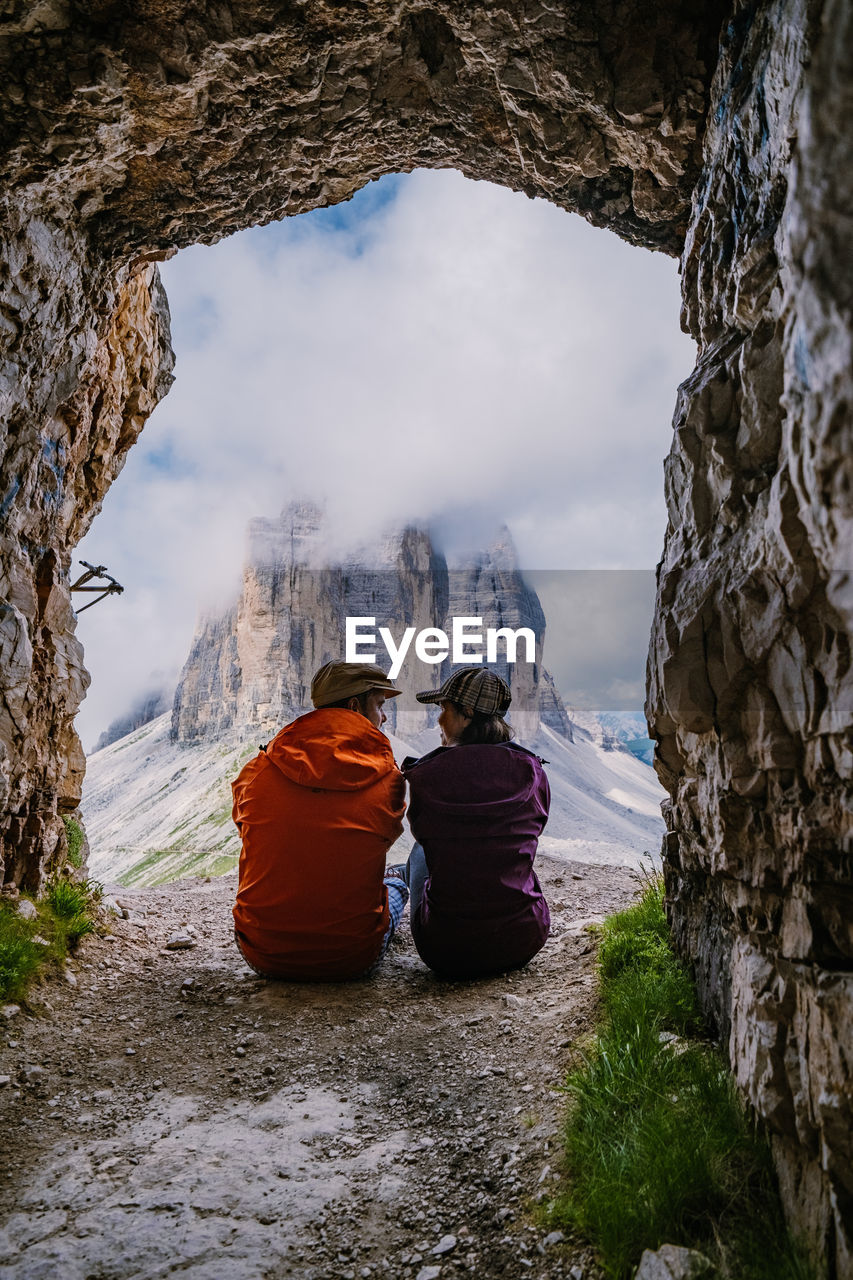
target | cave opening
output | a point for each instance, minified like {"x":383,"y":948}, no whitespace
{"x":430,"y":318}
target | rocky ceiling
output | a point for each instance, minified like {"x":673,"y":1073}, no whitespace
{"x":162,"y":124}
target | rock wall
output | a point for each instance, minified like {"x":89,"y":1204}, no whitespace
{"x":751,"y":690}
{"x":249,"y":669}
{"x":71,"y":410}
{"x":129,"y":130}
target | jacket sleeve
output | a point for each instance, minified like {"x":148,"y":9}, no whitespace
{"x":235,"y":809}
{"x":543,"y":792}
{"x":241,"y":792}
{"x":396,"y":806}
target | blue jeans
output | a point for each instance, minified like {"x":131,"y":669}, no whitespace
{"x":398,"y":896}
{"x":416,"y":875}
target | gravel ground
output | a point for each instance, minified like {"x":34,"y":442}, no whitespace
{"x":167,"y":1113}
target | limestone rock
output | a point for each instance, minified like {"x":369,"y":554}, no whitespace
{"x":445,"y":1245}
{"x":751,"y":683}
{"x":55,"y":471}
{"x":164,"y":132}
{"x":674,"y":1262}
{"x":180,"y":942}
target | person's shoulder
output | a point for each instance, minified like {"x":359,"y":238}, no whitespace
{"x":335,"y":725}
{"x":523,"y":751}
{"x":253,"y":766}
{"x":417,"y":762}
{"x":521,"y":762}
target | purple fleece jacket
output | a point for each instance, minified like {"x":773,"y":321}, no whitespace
{"x":478,"y":811}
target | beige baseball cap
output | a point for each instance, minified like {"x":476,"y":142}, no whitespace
{"x":338,"y":680}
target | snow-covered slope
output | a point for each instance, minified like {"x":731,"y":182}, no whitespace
{"x":156,"y":810}
{"x":605,"y":804}
{"x":614,"y":730}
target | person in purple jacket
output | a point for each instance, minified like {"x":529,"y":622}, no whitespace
{"x":477,"y":806}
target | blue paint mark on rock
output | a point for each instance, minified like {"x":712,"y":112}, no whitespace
{"x":802,"y":359}
{"x":53,"y":457}
{"x":6,"y":504}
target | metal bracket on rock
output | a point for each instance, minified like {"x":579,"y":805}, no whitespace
{"x":112,"y":588}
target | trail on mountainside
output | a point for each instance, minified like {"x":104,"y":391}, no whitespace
{"x":168,"y":1113}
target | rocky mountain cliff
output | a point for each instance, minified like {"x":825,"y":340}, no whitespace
{"x":147,"y":708}
{"x":250,"y":667}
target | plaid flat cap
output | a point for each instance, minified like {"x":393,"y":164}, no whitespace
{"x":474,"y":688}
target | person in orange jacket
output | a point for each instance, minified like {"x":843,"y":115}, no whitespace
{"x":317,"y":809}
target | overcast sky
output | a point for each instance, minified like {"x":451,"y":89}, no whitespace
{"x":436,"y":350}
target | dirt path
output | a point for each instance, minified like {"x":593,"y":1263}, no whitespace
{"x":169,"y":1114}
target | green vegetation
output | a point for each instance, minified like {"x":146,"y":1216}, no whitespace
{"x":161,"y":866}
{"x":63,"y":917}
{"x":74,"y":836}
{"x":642,"y":982}
{"x":72,"y":907}
{"x":221,"y":817}
{"x":20,"y":954}
{"x":137,"y":874}
{"x":659,"y":1148}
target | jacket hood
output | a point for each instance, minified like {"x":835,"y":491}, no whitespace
{"x":476,"y":782}
{"x":332,"y":749}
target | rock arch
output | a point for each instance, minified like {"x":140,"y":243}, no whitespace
{"x":713,"y":132}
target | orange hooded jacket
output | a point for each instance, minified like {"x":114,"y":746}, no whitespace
{"x":317,"y":810}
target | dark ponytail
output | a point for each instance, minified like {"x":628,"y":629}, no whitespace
{"x":483,"y":730}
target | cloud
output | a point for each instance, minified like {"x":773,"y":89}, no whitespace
{"x":597,"y":633}
{"x":437,"y":350}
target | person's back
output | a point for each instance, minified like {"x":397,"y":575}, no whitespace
{"x":317,"y":809}
{"x":477,"y":811}
{"x":477,"y":807}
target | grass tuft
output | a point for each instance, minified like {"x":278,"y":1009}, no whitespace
{"x":72,"y":906}
{"x":20,"y":956}
{"x":74,"y":837}
{"x":659,"y":1147}
{"x":642,"y":982}
{"x":64,"y":916}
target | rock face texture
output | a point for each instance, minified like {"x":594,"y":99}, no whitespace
{"x":719,"y":132}
{"x":250,"y":668}
{"x":160,"y":125}
{"x":751,"y":689}
{"x":69,"y":420}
